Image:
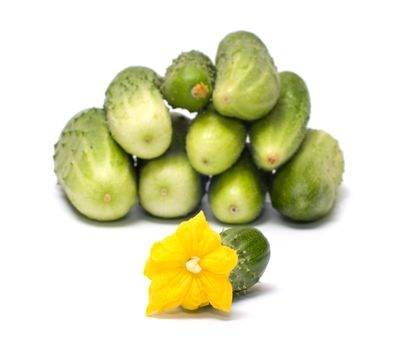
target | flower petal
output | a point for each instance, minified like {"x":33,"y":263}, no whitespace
{"x":189,"y":233}
{"x":220,"y":261}
{"x":168,"y":289}
{"x":169,"y":249}
{"x":219,"y":290}
{"x":166,"y":254}
{"x":195,"y":297}
{"x":209,"y":241}
{"x":197,"y":237}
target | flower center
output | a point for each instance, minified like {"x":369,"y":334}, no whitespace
{"x":192,"y":265}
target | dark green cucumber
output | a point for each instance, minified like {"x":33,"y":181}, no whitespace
{"x":304,"y":189}
{"x":189,"y":80}
{"x":253,"y":252}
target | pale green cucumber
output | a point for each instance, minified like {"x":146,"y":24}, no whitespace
{"x":137,"y":116}
{"x":96,"y":175}
{"x":168,"y":186}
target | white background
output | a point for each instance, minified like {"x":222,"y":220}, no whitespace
{"x":68,"y":283}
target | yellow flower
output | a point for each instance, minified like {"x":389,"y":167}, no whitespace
{"x":190,"y":268}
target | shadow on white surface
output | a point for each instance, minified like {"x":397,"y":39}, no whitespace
{"x":208,"y":312}
{"x":258,"y":290}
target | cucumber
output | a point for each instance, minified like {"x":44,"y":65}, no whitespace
{"x":168,"y":186}
{"x":136,"y":113}
{"x":189,"y":80}
{"x":253,"y":252}
{"x":237,"y":196}
{"x":305,"y":188}
{"x":214,"y":143}
{"x":247,"y":83}
{"x":276,"y":137}
{"x":96,"y":175}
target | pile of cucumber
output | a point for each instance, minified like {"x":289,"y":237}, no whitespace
{"x":249,"y":137}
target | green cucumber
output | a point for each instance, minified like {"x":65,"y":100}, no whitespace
{"x":276,"y":137}
{"x":96,"y":175}
{"x":136,"y":113}
{"x":253,"y":252}
{"x":214,"y":143}
{"x":168,"y":186}
{"x":237,"y":195}
{"x":247,"y":83}
{"x":305,"y":188}
{"x":189,"y":80}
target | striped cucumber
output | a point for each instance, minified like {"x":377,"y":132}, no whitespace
{"x":253,"y":252}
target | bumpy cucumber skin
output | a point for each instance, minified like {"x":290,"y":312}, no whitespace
{"x":247,"y":83}
{"x":276,"y":137}
{"x":214,"y":143}
{"x":237,"y":195}
{"x":96,"y":175}
{"x":253,"y":252}
{"x":137,"y":116}
{"x":168,"y":186}
{"x":189,"y":80}
{"x":304,"y":189}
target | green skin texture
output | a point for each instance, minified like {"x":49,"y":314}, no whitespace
{"x":96,"y":175}
{"x":237,"y":195}
{"x":247,"y":83}
{"x":304,"y":189}
{"x":168,"y":186}
{"x":188,"y":70}
{"x":137,"y":116}
{"x":253,"y":252}
{"x":214,"y":143}
{"x":276,"y":137}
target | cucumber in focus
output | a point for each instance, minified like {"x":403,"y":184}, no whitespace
{"x":253,"y":252}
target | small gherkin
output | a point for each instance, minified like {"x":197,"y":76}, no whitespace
{"x":96,"y":175}
{"x":253,"y":252}
{"x":189,"y":81}
{"x":136,"y":113}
